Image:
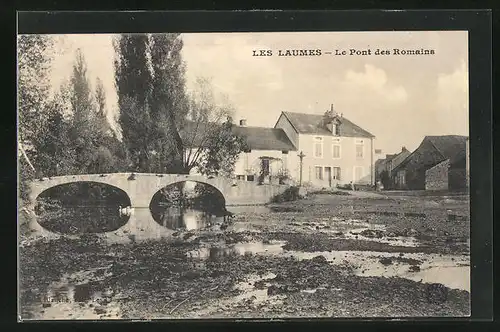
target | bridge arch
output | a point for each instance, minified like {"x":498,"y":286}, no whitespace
{"x":126,"y":197}
{"x":140,"y":187}
{"x":81,"y":207}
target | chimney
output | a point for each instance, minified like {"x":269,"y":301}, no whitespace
{"x":243,"y":123}
{"x":403,"y":149}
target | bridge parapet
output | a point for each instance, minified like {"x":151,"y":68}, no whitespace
{"x":140,"y":187}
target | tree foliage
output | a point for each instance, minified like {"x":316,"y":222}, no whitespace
{"x":168,"y":100}
{"x":222,"y":152}
{"x":83,"y":131}
{"x":103,"y":125}
{"x":34,"y":60}
{"x":163,"y":129}
{"x":149,"y":75}
{"x":210,"y":142}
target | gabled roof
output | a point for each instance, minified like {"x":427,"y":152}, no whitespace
{"x":451,"y":147}
{"x":305,"y":123}
{"x":389,"y":157}
{"x":257,"y":138}
{"x":261,"y":138}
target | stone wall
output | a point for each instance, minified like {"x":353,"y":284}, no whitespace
{"x":436,"y":178}
{"x":415,"y":166}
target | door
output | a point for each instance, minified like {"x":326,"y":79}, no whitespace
{"x":265,"y":166}
{"x":328,"y":175}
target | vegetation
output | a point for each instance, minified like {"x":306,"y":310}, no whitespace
{"x":210,"y":143}
{"x":290,"y":194}
{"x":330,"y":192}
{"x":165,"y":129}
{"x":283,"y":175}
{"x":69,"y":132}
{"x":34,"y":60}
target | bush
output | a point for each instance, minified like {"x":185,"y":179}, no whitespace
{"x":290,"y":194}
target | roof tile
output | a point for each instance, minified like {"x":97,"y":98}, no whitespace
{"x":312,"y":124}
{"x":257,"y":138}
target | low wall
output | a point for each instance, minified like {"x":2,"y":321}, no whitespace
{"x":436,"y":178}
{"x":251,"y":193}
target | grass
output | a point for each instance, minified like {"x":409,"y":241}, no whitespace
{"x":290,"y":194}
{"x":330,"y":192}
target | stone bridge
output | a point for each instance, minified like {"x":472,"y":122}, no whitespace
{"x":140,"y":187}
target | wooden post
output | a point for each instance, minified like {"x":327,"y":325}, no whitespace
{"x":26,"y":156}
{"x":301,"y":156}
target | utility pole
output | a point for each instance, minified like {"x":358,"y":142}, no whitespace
{"x":301,"y":155}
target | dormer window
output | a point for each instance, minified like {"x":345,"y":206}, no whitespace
{"x":333,"y":126}
{"x":336,"y":128}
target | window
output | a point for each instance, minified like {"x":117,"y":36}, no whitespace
{"x":336,"y":129}
{"x":401,"y":177}
{"x":319,"y":172}
{"x":360,"y":148}
{"x":336,"y":173}
{"x":250,"y":177}
{"x":336,"y":151}
{"x":318,"y":147}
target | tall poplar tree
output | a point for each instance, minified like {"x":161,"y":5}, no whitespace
{"x":168,"y":100}
{"x":83,"y":132}
{"x":133,"y":82}
{"x":149,"y":76}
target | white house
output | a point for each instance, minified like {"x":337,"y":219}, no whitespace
{"x":269,"y":151}
{"x":334,"y":150}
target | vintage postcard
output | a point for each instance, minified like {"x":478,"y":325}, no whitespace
{"x":243,"y":175}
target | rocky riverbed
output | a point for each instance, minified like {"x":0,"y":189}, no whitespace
{"x":323,"y":256}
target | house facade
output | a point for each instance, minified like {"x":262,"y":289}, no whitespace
{"x":335,"y":151}
{"x":268,"y":154}
{"x":439,"y":163}
{"x":384,"y":167}
{"x":322,"y":150}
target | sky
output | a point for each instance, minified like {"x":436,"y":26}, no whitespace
{"x":397,"y":98}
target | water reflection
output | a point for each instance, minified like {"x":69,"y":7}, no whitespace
{"x":176,"y":217}
{"x":85,"y":219}
{"x":248,"y":248}
{"x":188,"y":205}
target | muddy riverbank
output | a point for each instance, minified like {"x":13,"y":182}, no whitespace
{"x":325,"y":256}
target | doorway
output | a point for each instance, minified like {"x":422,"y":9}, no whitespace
{"x":328,"y":175}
